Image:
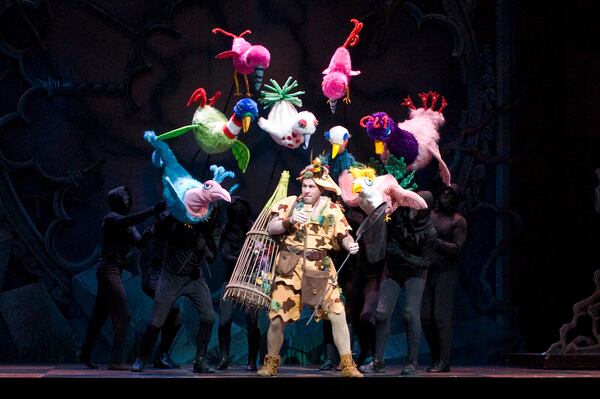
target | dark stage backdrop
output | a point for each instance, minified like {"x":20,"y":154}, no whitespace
{"x":82,"y":80}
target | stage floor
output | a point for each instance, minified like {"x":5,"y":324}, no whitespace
{"x":297,"y":382}
{"x":237,"y":372}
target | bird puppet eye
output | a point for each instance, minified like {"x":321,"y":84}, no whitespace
{"x":302,"y":123}
{"x":207,"y":186}
{"x":368,"y":182}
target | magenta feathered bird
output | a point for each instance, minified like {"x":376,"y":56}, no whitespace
{"x":415,"y":139}
{"x":247,"y":58}
{"x":336,"y":81}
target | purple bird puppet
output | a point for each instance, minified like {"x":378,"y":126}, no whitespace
{"x":415,"y":139}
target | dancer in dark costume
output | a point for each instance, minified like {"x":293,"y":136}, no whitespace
{"x":442,"y":278}
{"x":151,"y":263}
{"x":366,"y":281}
{"x":119,"y":236}
{"x":410,"y":249}
{"x":231,"y":243}
{"x":181,"y":276}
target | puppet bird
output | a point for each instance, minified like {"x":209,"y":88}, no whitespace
{"x":247,"y":58}
{"x":340,"y":158}
{"x":362,"y":187}
{"x":415,"y":139}
{"x":336,"y":81}
{"x":213,"y":132}
{"x":188,"y":200}
{"x":286,"y":126}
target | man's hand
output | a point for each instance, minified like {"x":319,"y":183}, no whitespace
{"x":299,"y":217}
{"x":350,"y":245}
{"x":353,"y":248}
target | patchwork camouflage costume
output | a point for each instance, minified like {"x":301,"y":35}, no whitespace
{"x":324,"y":231}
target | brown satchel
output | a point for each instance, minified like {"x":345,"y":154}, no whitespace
{"x":287,"y":263}
{"x":314,"y":284}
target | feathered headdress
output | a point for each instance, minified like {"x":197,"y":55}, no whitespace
{"x":319,"y":173}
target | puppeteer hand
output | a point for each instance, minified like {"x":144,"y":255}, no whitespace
{"x":159,"y":207}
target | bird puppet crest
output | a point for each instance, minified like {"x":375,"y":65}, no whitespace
{"x":367,"y":172}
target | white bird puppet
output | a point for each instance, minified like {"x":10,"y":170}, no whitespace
{"x":338,"y":137}
{"x":362,"y":187}
{"x":286,"y":126}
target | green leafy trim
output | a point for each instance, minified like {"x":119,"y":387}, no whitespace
{"x":276,"y":93}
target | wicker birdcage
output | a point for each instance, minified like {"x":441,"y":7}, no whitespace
{"x":254,"y":272}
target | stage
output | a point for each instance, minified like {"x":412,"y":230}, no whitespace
{"x":296,"y":381}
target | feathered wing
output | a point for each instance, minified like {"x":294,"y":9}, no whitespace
{"x":345,"y":182}
{"x":227,"y":54}
{"x":424,"y":125}
{"x":444,"y":171}
{"x":270,"y":127}
{"x":398,"y":195}
{"x":241,"y":153}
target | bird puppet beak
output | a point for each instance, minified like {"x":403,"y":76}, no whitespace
{"x":259,"y":72}
{"x":332,"y":105}
{"x":379,"y":147}
{"x":198,"y":205}
{"x":306,"y":141}
{"x":335,"y":150}
{"x":356,"y":188}
{"x":246,"y":120}
{"x":218,"y":193}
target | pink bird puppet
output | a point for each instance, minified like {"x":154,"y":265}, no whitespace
{"x":363,"y":188}
{"x":336,"y":81}
{"x":247,"y":58}
{"x":415,"y":139}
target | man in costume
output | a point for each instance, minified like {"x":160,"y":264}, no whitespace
{"x":411,"y":242}
{"x":181,"y":276}
{"x":233,"y":235}
{"x":151,"y":265}
{"x":309,"y":226}
{"x":438,"y":299}
{"x":119,"y":236}
{"x":191,"y":236}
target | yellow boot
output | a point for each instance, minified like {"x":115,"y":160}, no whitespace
{"x":349,"y":367}
{"x":270,"y":366}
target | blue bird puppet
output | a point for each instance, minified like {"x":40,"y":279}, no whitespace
{"x":188,"y":200}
